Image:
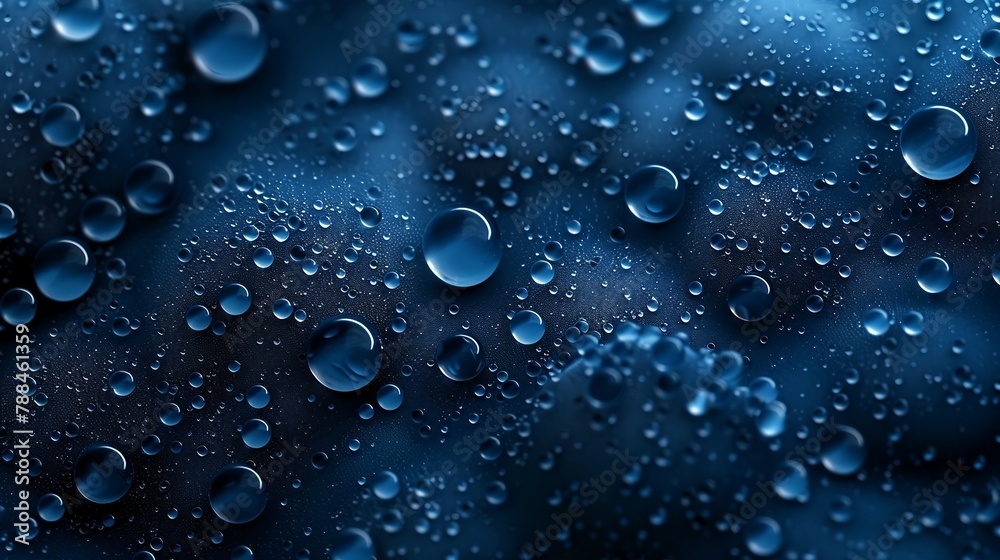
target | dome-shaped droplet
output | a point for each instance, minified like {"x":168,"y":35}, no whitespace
{"x":150,"y":187}
{"x":61,"y":124}
{"x":237,"y":494}
{"x":228,"y":43}
{"x":527,"y":327}
{"x":235,"y":299}
{"x":605,"y":52}
{"x":990,"y":42}
{"x":462,"y":247}
{"x":845,"y":452}
{"x":750,"y":298}
{"x":64,"y":269}
{"x":654,"y":194}
{"x":255,"y":433}
{"x":102,"y":219}
{"x":121,"y":383}
{"x":876,"y":322}
{"x":344,"y":353}
{"x":352,"y":544}
{"x":938,"y":142}
{"x":78,"y":20}
{"x":102,"y":475}
{"x":18,"y":306}
{"x":763,"y":536}
{"x":51,"y":508}
{"x":651,"y":13}
{"x":370,"y":77}
{"x":934,"y":274}
{"x":459,"y":357}
{"x":893,"y":244}
{"x":8,"y":221}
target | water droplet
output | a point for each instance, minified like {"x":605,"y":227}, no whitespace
{"x":18,"y":306}
{"x":121,"y":383}
{"x":876,"y":322}
{"x":8,"y":221}
{"x":750,"y":298}
{"x":228,"y":43}
{"x":102,"y":475}
{"x":845,"y":453}
{"x":344,"y":353}
{"x":352,"y":544}
{"x":654,"y":194}
{"x":938,"y":142}
{"x":389,"y":397}
{"x":150,"y":187}
{"x":459,"y":357}
{"x":893,"y":244}
{"x":255,"y":433}
{"x":102,"y":219}
{"x":385,"y":485}
{"x":78,"y":20}
{"x":527,"y":327}
{"x":651,"y":13}
{"x":61,"y":124}
{"x":237,"y":494}
{"x":235,"y":299}
{"x":462,"y":247}
{"x":64,"y":269}
{"x":695,"y":110}
{"x":370,"y":77}
{"x":934,"y":274}
{"x":605,"y":52}
{"x":763,"y":536}
{"x":51,"y":508}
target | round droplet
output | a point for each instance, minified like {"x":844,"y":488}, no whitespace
{"x":78,"y":20}
{"x":390,"y":397}
{"x":121,"y":383}
{"x":258,"y":396}
{"x":64,"y":269}
{"x":912,"y":323}
{"x":459,"y":357}
{"x":370,"y":77}
{"x":763,"y":536}
{"x":102,"y":475}
{"x":893,"y":244}
{"x":61,"y":124}
{"x":235,"y":299}
{"x":654,"y":194}
{"x":18,"y":306}
{"x":385,"y":485}
{"x":352,"y":544}
{"x":228,"y":43}
{"x":237,"y":494}
{"x":876,"y":322}
{"x":695,"y":110}
{"x":527,"y":327}
{"x":934,"y":274}
{"x":651,"y":13}
{"x":990,"y":42}
{"x":938,"y":142}
{"x":605,"y":52}
{"x":150,"y":187}
{"x":102,"y":219}
{"x":462,"y":247}
{"x":255,"y":433}
{"x":51,"y":508}
{"x":845,"y":453}
{"x":8,"y":221}
{"x":344,"y":353}
{"x":750,"y":298}
{"x":542,"y":272}
{"x":198,"y":317}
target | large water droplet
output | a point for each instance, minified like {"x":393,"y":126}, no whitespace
{"x":64,"y":269}
{"x":237,"y":494}
{"x":150,"y":187}
{"x":102,"y":475}
{"x":934,"y":274}
{"x":845,"y":453}
{"x":102,"y":219}
{"x":344,"y":353}
{"x":228,"y":43}
{"x":651,"y":13}
{"x":255,"y":433}
{"x":459,"y":357}
{"x":18,"y":306}
{"x":352,"y":544}
{"x":78,"y":20}
{"x":462,"y":247}
{"x":750,"y":297}
{"x":235,"y":299}
{"x":61,"y":124}
{"x":876,"y":322}
{"x":938,"y":142}
{"x":763,"y":536}
{"x":654,"y":194}
{"x":527,"y":327}
{"x":605,"y":52}
{"x":370,"y":77}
